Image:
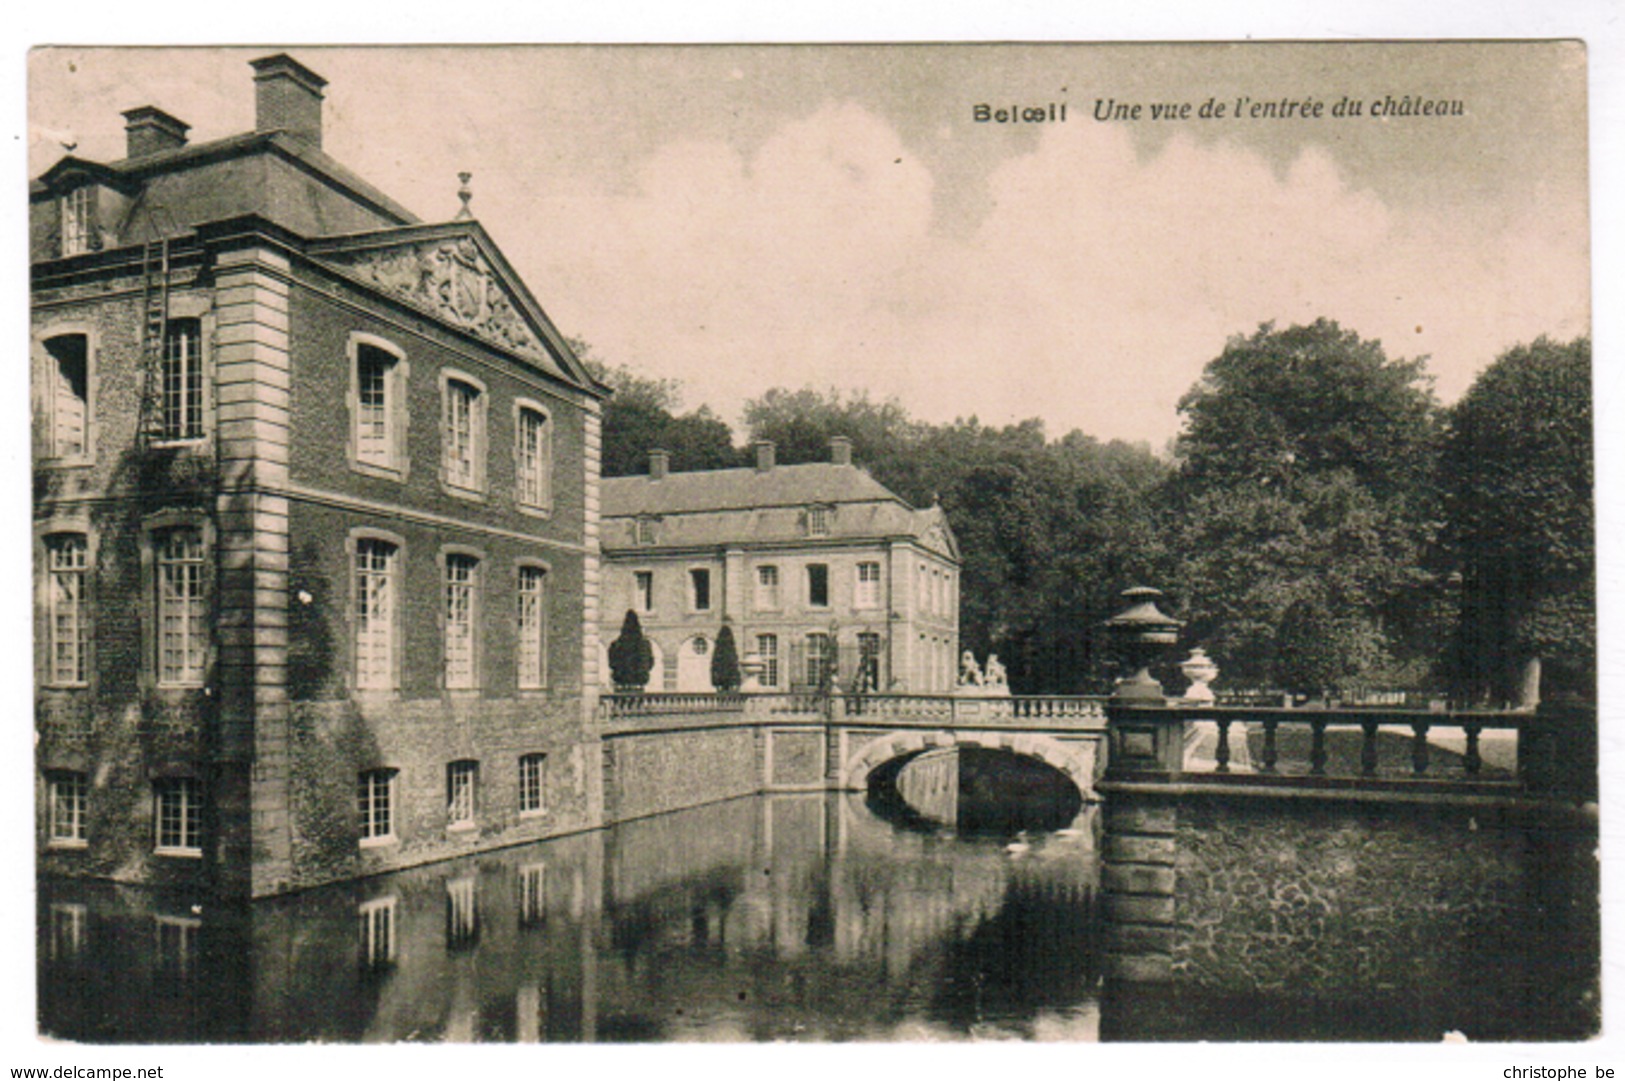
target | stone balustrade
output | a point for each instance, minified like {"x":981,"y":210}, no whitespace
{"x":1046,"y":711}
{"x":1267,"y":743}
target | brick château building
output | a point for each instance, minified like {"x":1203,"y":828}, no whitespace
{"x":805,"y":562}
{"x":314,"y":520}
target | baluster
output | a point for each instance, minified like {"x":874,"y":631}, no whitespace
{"x":1419,"y":747}
{"x":1368,"y":748}
{"x":1222,"y":754}
{"x":1317,"y":748}
{"x":1474,"y":763}
{"x":1269,"y":744}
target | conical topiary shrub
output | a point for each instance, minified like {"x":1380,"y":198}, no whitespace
{"x":631,"y":658}
{"x":725,"y":662}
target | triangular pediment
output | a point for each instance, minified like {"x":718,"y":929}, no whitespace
{"x":70,"y":172}
{"x":937,"y":537}
{"x":455,"y":275}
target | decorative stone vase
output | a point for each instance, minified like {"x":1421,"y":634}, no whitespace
{"x":751,"y":667}
{"x":1141,"y":632}
{"x":1200,"y":670}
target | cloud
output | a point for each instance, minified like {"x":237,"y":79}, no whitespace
{"x":1092,"y":293}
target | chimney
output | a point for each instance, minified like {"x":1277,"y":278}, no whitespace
{"x":764,"y":455}
{"x":659,"y":463}
{"x":840,"y":450}
{"x":288,"y":98}
{"x":148,"y":130}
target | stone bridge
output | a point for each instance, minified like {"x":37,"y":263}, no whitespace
{"x":665,"y":751}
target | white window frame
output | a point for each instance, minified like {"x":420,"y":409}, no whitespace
{"x":187,"y":606}
{"x":183,"y":383}
{"x":375,"y":806}
{"x":818,"y":517}
{"x":67,"y":608}
{"x":185,"y":794}
{"x":533,"y":460}
{"x":767,"y":596}
{"x":532,"y":785}
{"x":461,"y":573}
{"x":866,"y":585}
{"x":68,"y":808}
{"x":463,"y":408}
{"x":644,"y":531}
{"x":372,"y":588}
{"x":386,"y":456}
{"x":462,"y":794}
{"x":811,"y":656}
{"x":531,"y":625}
{"x":78,"y":226}
{"x":767,"y":648}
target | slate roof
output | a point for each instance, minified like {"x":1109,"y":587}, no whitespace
{"x":712,"y":508}
{"x":742,"y":489}
{"x":194,"y":154}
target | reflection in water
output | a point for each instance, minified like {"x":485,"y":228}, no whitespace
{"x":809,"y":917}
{"x":776,"y":917}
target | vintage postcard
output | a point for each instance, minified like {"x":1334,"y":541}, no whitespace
{"x":818,"y":543}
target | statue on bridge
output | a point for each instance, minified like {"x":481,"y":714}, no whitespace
{"x":975,"y":682}
{"x":970,"y":675}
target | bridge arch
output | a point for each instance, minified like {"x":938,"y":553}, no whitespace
{"x":1077,"y":760}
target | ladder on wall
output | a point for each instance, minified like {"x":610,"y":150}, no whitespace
{"x":155,"y":281}
{"x":154,"y":327}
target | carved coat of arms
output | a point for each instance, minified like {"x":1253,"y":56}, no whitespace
{"x":451,"y":280}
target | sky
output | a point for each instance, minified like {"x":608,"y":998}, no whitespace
{"x":1082,"y":273}
{"x":744,"y":217}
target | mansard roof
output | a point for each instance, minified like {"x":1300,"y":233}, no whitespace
{"x":742,"y":489}
{"x":130,"y":174}
{"x":721,"y":507}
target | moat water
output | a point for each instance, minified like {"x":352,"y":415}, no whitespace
{"x":787,"y":917}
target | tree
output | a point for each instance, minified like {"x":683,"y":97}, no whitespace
{"x":642,"y":416}
{"x":801,"y":422}
{"x":631,"y":658}
{"x":725,"y":662}
{"x":1517,"y":470}
{"x":1303,"y":511}
{"x":1048,"y":530}
{"x":1309,"y":400}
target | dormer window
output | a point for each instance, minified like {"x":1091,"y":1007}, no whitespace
{"x":78,"y":220}
{"x":817,"y":521}
{"x":645,"y":530}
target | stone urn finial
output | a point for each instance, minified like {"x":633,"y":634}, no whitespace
{"x":1200,"y":670}
{"x":752,"y":666}
{"x":1141,"y":632}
